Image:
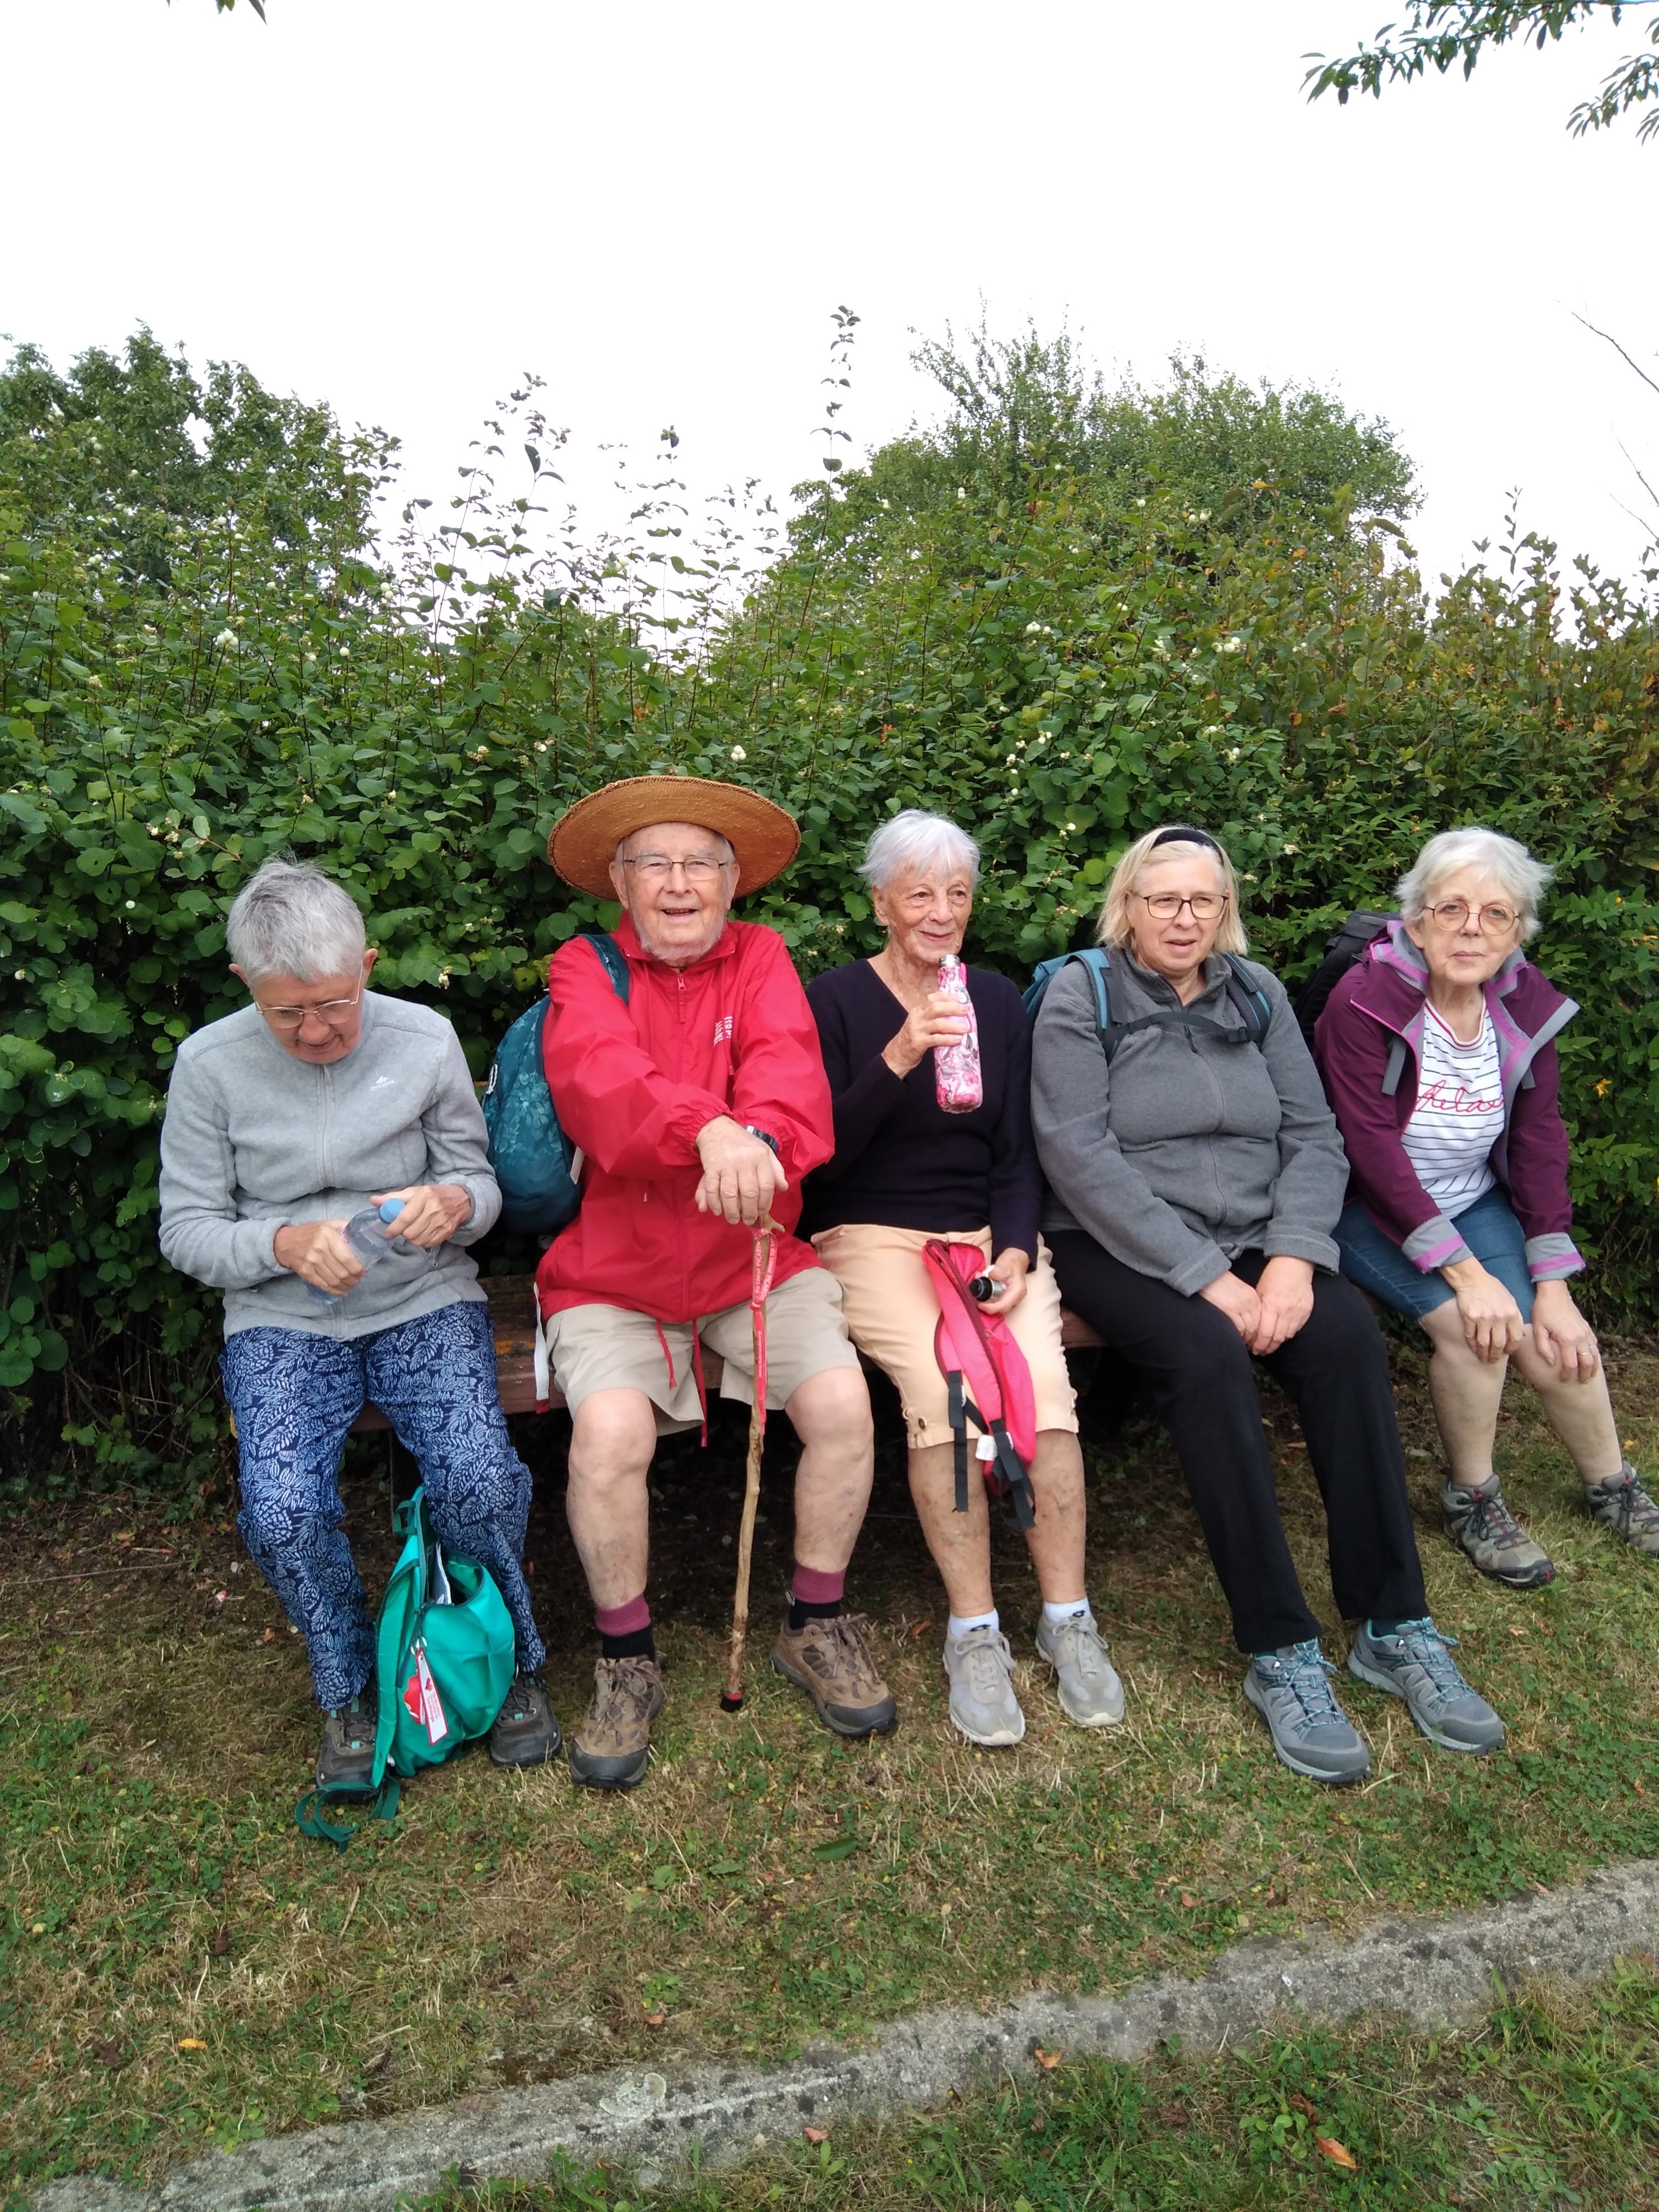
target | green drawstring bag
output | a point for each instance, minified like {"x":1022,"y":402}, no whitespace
{"x":445,"y":1654}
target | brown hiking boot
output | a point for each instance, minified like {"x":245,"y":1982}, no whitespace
{"x":345,"y":1761}
{"x":611,"y":1750}
{"x":831,"y":1661}
{"x":525,"y":1732}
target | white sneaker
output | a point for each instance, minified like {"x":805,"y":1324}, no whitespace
{"x":980,"y":1667}
{"x":1090,"y":1691}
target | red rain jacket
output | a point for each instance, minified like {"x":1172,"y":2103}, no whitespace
{"x":731,"y":1034}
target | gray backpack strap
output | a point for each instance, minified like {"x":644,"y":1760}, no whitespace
{"x":1397,"y":1067}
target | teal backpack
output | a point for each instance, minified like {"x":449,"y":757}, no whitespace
{"x":445,"y":1653}
{"x":535,"y":1162}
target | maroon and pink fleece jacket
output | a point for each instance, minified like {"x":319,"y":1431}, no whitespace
{"x":1368,"y":1042}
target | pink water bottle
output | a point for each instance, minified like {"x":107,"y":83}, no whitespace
{"x":956,"y":1066}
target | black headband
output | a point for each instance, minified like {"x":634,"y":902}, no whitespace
{"x":1182,"y":835}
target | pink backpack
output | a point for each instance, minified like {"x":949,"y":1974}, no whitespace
{"x":987,"y":1383}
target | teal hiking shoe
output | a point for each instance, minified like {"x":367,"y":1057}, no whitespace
{"x":1290,"y":1689}
{"x":1415,"y":1664}
{"x":345,"y":1758}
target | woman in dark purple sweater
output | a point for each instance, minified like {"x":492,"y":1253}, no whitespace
{"x":904,"y":1171}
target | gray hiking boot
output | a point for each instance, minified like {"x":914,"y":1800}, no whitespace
{"x":1624,"y":1506}
{"x":1482,"y":1525}
{"x":980,"y":1669}
{"x":611,"y":1750}
{"x":1090,"y":1691}
{"x":524,"y":1732}
{"x":1290,"y":1689}
{"x":1415,"y":1663}
{"x":345,"y":1761}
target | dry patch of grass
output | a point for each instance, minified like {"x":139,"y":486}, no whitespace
{"x":771,"y":1882}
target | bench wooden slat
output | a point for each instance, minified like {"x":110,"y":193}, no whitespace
{"x":513,"y":1316}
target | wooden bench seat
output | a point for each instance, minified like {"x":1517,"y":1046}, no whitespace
{"x":513,"y":1312}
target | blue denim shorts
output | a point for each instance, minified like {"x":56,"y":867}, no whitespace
{"x":1377,"y":1263}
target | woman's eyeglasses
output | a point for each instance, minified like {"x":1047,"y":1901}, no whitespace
{"x":335,"y":1012}
{"x":1164,"y":906}
{"x":1495,"y":921}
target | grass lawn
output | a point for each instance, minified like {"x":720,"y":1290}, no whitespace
{"x":1553,"y":2101}
{"x":181,"y":1968}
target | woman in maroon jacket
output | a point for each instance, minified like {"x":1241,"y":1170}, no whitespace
{"x":1437,"y":1051}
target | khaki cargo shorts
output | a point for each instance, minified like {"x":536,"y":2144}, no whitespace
{"x":893,"y":1310}
{"x":600,"y":1347}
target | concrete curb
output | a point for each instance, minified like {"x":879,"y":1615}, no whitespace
{"x":1427,"y":1973}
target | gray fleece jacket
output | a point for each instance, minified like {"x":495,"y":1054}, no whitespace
{"x":1189,"y":1149}
{"x":254,"y":1138}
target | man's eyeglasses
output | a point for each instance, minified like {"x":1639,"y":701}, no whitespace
{"x":657,"y":867}
{"x":1166,"y":906}
{"x":1495,"y":921}
{"x":335,"y":1012}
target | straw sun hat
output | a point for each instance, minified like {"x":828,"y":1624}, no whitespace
{"x":585,"y":839}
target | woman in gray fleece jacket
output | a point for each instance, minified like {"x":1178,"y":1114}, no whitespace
{"x":1196,"y":1174}
{"x":282,"y":1121}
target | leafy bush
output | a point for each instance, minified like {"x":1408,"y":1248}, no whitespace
{"x":190,"y":681}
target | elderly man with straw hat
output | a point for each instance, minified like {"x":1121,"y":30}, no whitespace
{"x":699,"y":1102}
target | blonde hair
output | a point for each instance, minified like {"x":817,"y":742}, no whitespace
{"x":1116,"y":926}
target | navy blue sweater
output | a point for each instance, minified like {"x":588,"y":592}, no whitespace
{"x":899,"y":1159}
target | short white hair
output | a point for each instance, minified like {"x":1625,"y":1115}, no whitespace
{"x":915,"y":842}
{"x":1524,"y":879}
{"x":289,"y":919}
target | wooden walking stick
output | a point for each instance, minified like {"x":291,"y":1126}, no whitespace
{"x":760,"y":1283}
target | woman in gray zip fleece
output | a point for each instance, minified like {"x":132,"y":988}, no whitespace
{"x":283,"y":1121}
{"x":1195,"y":1177}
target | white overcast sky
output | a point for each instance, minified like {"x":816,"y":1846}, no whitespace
{"x":400,"y":205}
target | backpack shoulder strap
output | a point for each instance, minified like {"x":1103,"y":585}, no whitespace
{"x":1251,"y":1000}
{"x":611,"y":959}
{"x":1104,"y":977}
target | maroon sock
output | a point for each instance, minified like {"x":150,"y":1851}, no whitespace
{"x":625,"y":1630}
{"x":814,"y":1595}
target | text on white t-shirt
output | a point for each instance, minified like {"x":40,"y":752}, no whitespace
{"x":1458,"y":1114}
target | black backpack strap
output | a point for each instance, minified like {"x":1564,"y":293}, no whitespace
{"x":960,"y":1409}
{"x":1251,"y":1001}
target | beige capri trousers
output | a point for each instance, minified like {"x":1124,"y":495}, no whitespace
{"x":600,"y":1347}
{"x":893,"y":1310}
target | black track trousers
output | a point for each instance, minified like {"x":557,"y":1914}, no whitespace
{"x":1336,"y":1369}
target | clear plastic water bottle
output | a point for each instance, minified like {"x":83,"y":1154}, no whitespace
{"x":369,"y":1237}
{"x":957,"y":1078}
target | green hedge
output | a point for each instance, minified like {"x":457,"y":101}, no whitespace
{"x":1057,"y":671}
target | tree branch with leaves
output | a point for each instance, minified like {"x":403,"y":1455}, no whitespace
{"x":1444,"y":34}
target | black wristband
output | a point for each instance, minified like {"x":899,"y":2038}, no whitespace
{"x":765,"y":1136}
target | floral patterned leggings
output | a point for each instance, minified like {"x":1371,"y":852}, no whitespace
{"x":295,"y":1396}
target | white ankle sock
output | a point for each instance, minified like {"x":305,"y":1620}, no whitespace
{"x":960,"y":1626}
{"x":1074,"y":1609}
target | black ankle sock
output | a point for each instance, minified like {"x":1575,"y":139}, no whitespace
{"x":1385,"y":1628}
{"x":638,"y":1644}
{"x":801,"y":1610}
